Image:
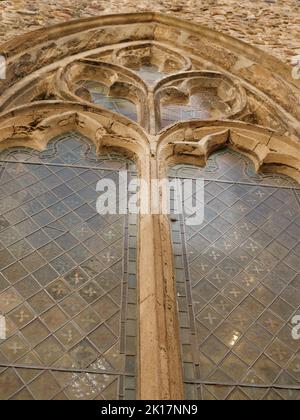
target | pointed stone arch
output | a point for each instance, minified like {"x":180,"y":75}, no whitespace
{"x":46,"y":64}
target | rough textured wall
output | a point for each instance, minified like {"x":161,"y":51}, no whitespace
{"x":273,"y":25}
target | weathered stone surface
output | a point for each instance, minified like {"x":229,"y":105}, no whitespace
{"x":273,"y":26}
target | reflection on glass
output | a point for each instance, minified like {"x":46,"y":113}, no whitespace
{"x":100,"y":96}
{"x":68,"y":303}
{"x":237,"y":282}
{"x":202,"y":105}
{"x":150,"y":74}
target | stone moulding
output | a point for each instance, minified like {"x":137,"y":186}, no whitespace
{"x":40,"y":99}
{"x":263,"y":147}
{"x":179,"y":87}
{"x":122,"y":83}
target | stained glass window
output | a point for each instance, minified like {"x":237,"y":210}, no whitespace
{"x":150,"y":74}
{"x":67,"y":277}
{"x":237,"y":278}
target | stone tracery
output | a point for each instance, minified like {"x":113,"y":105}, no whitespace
{"x":159,"y":64}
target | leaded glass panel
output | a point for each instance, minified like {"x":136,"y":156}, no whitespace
{"x":100,"y":96}
{"x":237,"y":278}
{"x":67,"y":277}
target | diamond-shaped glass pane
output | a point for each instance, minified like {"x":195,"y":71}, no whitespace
{"x":239,"y":272}
{"x":63,"y":287}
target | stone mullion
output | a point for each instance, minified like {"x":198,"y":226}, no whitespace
{"x":160,"y":369}
{"x":152,"y":113}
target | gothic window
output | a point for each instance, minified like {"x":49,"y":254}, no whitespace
{"x":89,"y":308}
{"x":68,"y":280}
{"x":237,"y":283}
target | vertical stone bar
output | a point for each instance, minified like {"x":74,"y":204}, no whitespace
{"x":160,"y":369}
